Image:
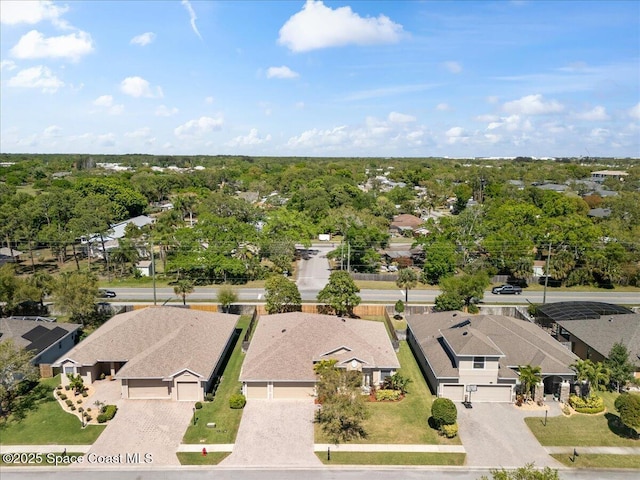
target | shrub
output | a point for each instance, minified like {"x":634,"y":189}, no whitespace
{"x":59,"y":387}
{"x":102,"y":418}
{"x":62,"y":396}
{"x":237,"y":400}
{"x":387,"y":395}
{"x":449,"y":431}
{"x":89,"y":409}
{"x":628,"y":405}
{"x":72,"y":408}
{"x":591,"y":404}
{"x":67,"y":387}
{"x":198,"y":405}
{"x":444,"y":412}
{"x":85,"y":394}
{"x":209,"y":397}
{"x":80,"y":409}
{"x":68,"y":402}
{"x":109,"y":411}
{"x":79,"y":401}
{"x":88,"y":418}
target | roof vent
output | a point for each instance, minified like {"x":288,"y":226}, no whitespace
{"x":343,"y":319}
{"x":465,"y":333}
{"x":284,"y":330}
{"x":611,"y":319}
{"x":454,"y":315}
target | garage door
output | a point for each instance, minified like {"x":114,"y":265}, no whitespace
{"x":188,"y":391}
{"x":257,"y":390}
{"x":492,"y":393}
{"x":139,"y":389}
{"x":453,"y":392}
{"x":293,"y":390}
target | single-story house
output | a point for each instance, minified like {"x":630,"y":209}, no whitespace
{"x":111,"y":238}
{"x":46,"y":340}
{"x":405,"y":222}
{"x":602,"y":175}
{"x":593,"y":338}
{"x":156,"y":352}
{"x":285,"y":347}
{"x":477,"y":357}
{"x":8,"y":255}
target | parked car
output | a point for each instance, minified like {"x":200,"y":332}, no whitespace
{"x":507,"y":289}
{"x":106,"y":293}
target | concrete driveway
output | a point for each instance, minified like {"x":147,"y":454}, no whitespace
{"x":313,"y":273}
{"x":495,"y":435}
{"x":154,"y":427}
{"x":275,"y":432}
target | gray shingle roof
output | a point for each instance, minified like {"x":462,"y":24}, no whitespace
{"x":157,"y":342}
{"x":284,"y":346}
{"x":601,"y":333}
{"x":521,"y":343}
{"x":32,"y":335}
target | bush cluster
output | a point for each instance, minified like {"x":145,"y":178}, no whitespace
{"x":449,"y":431}
{"x":198,"y":405}
{"x":107,"y":412}
{"x":209,"y":397}
{"x":591,"y":404}
{"x":387,"y":395}
{"x":237,"y":400}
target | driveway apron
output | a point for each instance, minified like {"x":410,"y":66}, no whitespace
{"x":154,"y":427}
{"x":495,"y":435}
{"x":275,"y":432}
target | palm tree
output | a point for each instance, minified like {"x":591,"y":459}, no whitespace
{"x":600,"y":376}
{"x":529,"y":377}
{"x":585,"y":372}
{"x":407,"y":279}
{"x":183,"y":288}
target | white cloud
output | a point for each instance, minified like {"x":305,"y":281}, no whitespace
{"x":597,"y":113}
{"x":532,"y":105}
{"x":315,"y":137}
{"x":634,"y":112}
{"x":317,"y":26}
{"x":35,"y":45}
{"x":456,"y":135}
{"x":31,"y":12}
{"x":209,"y":100}
{"x":253,"y":138}
{"x":453,"y":67}
{"x":8,"y":65}
{"x":52,"y":131}
{"x":198,"y":127}
{"x":103,"y":101}
{"x":138,"y":87}
{"x":281,"y":72}
{"x":401,"y":117}
{"x":443,"y":107}
{"x":143,"y":39}
{"x":143,"y":132}
{"x":164,"y":111}
{"x":192,"y":17}
{"x":36,"y":77}
{"x":487,"y":118}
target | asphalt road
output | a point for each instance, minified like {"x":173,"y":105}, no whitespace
{"x":208,"y":294}
{"x":323,"y":473}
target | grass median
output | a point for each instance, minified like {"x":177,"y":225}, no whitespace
{"x":391,"y":458}
{"x":196,"y":458}
{"x":594,"y":460}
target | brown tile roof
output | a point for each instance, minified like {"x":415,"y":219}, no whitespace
{"x":284,"y":346}
{"x":157,"y":342}
{"x":406,"y":220}
{"x":521,"y":342}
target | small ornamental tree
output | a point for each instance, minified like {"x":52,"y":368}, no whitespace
{"x":281,"y":295}
{"x":620,"y":368}
{"x":628,"y":406}
{"x":226,"y":297}
{"x":399,"y":306}
{"x":341,"y":293}
{"x":183,"y":288}
{"x":444,"y":412}
{"x":76,"y":382}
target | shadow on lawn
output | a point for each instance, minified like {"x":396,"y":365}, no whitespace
{"x":28,"y":397}
{"x":619,"y":428}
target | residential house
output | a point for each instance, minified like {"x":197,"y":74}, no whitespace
{"x":93,"y":243}
{"x":156,"y":352}
{"x":405,"y":223}
{"x":145,"y":268}
{"x":9,"y":255}
{"x":477,"y":357}
{"x":285,"y":347}
{"x":601,"y":175}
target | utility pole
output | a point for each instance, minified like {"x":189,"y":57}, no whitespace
{"x":546,"y":275}
{"x":341,"y":255}
{"x":153,"y":273}
{"x":348,"y":257}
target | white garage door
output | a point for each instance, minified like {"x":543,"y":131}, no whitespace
{"x":293,"y":390}
{"x":492,"y":393}
{"x":453,"y":392}
{"x":257,"y":390}
{"x":188,"y":391}
{"x":139,"y":389}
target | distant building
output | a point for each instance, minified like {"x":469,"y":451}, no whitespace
{"x":601,"y":175}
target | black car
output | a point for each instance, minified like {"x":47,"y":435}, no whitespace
{"x":507,"y":289}
{"x":106,"y":293}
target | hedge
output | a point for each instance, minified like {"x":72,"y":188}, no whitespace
{"x":444,"y":412}
{"x":590,"y":405}
{"x":387,"y":395}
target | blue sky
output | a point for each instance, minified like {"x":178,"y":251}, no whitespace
{"x":321,"y":78}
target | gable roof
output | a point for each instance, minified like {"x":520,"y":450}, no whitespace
{"x":285,"y":346}
{"x":406,"y":220}
{"x":518,"y":342}
{"x":157,"y":342}
{"x":603,"y":332}
{"x":33,"y":335}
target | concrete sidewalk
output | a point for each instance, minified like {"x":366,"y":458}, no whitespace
{"x":372,"y":447}
{"x":44,"y":448}
{"x":598,"y":450}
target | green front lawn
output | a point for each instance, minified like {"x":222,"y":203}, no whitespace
{"x":405,"y":421}
{"x":45,"y":423}
{"x":196,"y":458}
{"x":592,"y":460}
{"x":600,"y":430}
{"x":227,"y":420}
{"x":391,"y":458}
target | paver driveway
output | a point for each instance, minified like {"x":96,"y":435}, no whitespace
{"x":275,"y":432}
{"x":495,"y":435}
{"x":145,"y":426}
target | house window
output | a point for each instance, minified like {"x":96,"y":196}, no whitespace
{"x":478,"y":362}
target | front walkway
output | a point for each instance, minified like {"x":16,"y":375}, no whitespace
{"x":495,"y":435}
{"x":275,"y":433}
